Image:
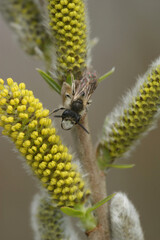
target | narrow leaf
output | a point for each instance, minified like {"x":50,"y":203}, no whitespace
{"x":50,"y":81}
{"x":103,"y":158}
{"x":121,"y":166}
{"x":72,"y":212}
{"x":100,"y":203}
{"x":106,"y":75}
{"x":69,"y":79}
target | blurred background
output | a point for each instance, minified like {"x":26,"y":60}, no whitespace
{"x":129,"y":39}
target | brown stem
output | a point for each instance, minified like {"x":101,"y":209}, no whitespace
{"x":42,"y":2}
{"x":97,"y":181}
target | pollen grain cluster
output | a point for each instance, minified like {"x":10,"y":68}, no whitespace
{"x":26,"y":122}
{"x":67,"y":20}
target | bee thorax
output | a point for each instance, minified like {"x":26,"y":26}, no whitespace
{"x":77,"y":106}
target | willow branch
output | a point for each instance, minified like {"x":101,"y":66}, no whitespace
{"x":42,"y":2}
{"x":97,"y":181}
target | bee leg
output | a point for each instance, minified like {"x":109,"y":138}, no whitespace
{"x":58,"y":116}
{"x":83,"y":127}
{"x":56,"y":110}
{"x":89,"y":102}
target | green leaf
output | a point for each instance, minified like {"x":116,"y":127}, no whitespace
{"x":50,"y":81}
{"x":106,"y":75}
{"x":87,"y":219}
{"x":72,"y":212}
{"x":69,"y":79}
{"x":121,"y":166}
{"x":100,"y":203}
{"x":104,"y":158}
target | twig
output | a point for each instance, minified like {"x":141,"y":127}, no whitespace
{"x":97,"y":181}
{"x":42,"y":2}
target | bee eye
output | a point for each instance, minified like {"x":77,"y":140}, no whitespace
{"x":67,"y":95}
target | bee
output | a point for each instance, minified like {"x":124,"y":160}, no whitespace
{"x":76,"y":99}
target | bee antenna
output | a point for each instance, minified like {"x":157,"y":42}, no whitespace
{"x":83,"y":127}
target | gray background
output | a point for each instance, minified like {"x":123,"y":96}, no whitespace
{"x":129,"y":40}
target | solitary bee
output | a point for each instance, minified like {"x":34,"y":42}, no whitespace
{"x":76,"y":99}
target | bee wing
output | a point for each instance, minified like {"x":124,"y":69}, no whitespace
{"x":84,"y":88}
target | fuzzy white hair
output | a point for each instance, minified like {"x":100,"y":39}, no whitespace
{"x":125,"y":223}
{"x":66,"y":223}
{"x":34,"y":210}
{"x":69,"y":230}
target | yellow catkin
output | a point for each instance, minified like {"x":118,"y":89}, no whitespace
{"x":68,"y":24}
{"x":127,"y":124}
{"x":26,"y":21}
{"x":48,"y":219}
{"x":37,"y":141}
